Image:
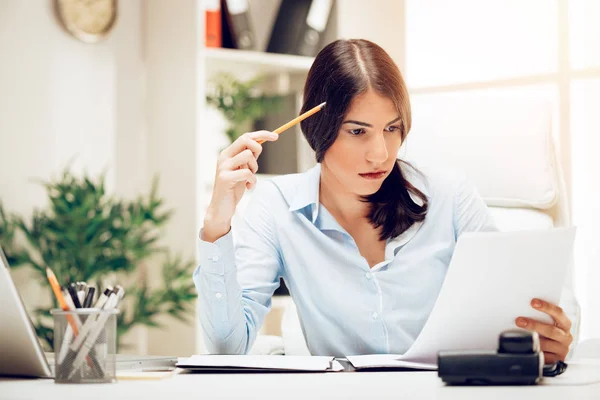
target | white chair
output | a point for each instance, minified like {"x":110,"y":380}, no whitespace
{"x":505,"y":147}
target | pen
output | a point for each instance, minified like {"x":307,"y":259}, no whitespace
{"x":69,"y":350}
{"x":63,"y":304}
{"x":87,"y":326}
{"x":73,"y":294}
{"x":92,"y":362}
{"x":88,"y":344}
{"x":103,"y":297}
{"x":298,"y":119}
{"x":89,"y":297}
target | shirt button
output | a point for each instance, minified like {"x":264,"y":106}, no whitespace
{"x":214,"y":258}
{"x":368,"y":275}
{"x":375,"y":315}
{"x":218,"y":295}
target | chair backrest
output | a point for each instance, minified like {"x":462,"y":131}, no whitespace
{"x":504,"y":145}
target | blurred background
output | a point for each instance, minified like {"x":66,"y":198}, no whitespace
{"x":112,"y":115}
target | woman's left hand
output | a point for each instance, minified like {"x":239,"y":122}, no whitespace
{"x":554,"y":339}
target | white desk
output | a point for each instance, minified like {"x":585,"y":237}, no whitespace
{"x":284,"y":386}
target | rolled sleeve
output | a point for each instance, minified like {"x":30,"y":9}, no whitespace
{"x":235,"y":282}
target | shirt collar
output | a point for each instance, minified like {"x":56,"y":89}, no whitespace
{"x":307,"y":189}
{"x":307,"y":192}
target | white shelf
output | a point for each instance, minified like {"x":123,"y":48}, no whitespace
{"x":234,"y":61}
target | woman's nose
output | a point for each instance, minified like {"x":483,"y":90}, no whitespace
{"x":377,"y":150}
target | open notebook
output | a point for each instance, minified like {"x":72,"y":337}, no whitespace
{"x":260,"y":363}
{"x":491,"y":280}
{"x":267,"y":363}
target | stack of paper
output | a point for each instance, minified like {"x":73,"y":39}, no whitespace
{"x":260,"y":363}
{"x":386,"y":361}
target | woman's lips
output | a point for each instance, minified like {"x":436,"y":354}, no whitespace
{"x":373,"y":176}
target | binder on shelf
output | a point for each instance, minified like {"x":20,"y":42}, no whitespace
{"x":300,"y":26}
{"x":212,"y":16}
{"x":237,"y":29}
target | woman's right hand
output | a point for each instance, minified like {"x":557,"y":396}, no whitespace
{"x":236,"y":169}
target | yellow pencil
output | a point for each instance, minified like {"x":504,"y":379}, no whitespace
{"x":61,"y":300}
{"x":297,"y":119}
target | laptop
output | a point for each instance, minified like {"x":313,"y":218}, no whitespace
{"x":22,"y":353}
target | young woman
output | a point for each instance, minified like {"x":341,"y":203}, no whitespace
{"x":362,"y":240}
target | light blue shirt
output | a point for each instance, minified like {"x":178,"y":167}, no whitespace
{"x":345,"y":307}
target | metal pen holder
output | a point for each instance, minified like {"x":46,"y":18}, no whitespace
{"x":85,"y":345}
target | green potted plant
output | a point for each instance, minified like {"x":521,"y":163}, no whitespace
{"x":87,"y":235}
{"x":241,"y":103}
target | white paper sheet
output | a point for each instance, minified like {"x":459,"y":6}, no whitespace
{"x":386,"y":361}
{"x":486,"y":288}
{"x":264,"y":362}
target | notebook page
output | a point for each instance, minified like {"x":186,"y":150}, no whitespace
{"x":290,"y":363}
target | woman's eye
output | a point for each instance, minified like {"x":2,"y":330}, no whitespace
{"x":393,"y":128}
{"x":356,"y":132}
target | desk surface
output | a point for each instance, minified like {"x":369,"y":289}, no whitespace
{"x":346,"y":385}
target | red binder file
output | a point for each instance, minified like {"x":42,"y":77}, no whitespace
{"x":212,"y":13}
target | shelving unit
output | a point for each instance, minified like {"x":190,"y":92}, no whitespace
{"x":283,"y":74}
{"x":235,"y":61}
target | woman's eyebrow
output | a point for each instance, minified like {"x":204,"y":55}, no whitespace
{"x":351,"y":121}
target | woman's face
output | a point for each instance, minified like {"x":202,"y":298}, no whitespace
{"x":367,"y":145}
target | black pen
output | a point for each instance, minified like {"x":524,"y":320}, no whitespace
{"x":73,"y":294}
{"x":89,"y":297}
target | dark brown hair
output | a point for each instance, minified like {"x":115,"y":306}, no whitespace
{"x":341,"y":71}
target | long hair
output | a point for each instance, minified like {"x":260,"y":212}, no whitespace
{"x":341,"y":71}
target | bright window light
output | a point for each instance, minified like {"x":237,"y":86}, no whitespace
{"x":585,"y":103}
{"x":584,"y":33}
{"x":450,"y":42}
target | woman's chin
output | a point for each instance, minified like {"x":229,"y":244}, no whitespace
{"x":368,"y":189}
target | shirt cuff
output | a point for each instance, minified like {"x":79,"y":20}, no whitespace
{"x":218,"y":257}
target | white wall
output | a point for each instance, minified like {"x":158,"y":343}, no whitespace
{"x":57,"y":100}
{"x":62,"y":100}
{"x":170,"y":46}
{"x":380,"y":21}
{"x":56,"y":103}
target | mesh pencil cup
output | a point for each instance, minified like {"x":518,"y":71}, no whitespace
{"x":85,"y":345}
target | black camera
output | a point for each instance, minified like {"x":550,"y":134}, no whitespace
{"x":518,"y":361}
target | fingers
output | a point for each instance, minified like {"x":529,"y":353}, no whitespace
{"x":245,"y":159}
{"x":560,"y":318}
{"x":553,"y":350}
{"x":548,"y":331}
{"x":552,"y":346}
{"x":237,"y":176}
{"x":248,"y":141}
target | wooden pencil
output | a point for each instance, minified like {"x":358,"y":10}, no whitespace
{"x":297,"y":120}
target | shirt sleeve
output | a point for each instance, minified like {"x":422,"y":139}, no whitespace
{"x":235,"y":283}
{"x":470,"y":211}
